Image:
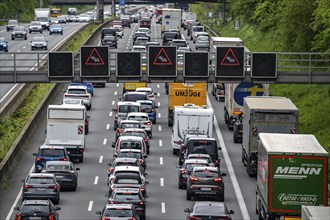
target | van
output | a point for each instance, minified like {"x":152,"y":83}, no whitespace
{"x":108,"y":31}
{"x":130,"y":142}
{"x":122,"y":109}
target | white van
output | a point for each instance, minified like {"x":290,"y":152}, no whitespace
{"x":190,"y":119}
{"x":122,"y":109}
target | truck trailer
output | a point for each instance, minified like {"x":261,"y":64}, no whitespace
{"x":265,"y":114}
{"x":292,"y":171}
{"x":171,"y":19}
{"x":42,"y":15}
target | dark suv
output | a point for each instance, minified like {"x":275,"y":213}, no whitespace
{"x":11,"y":24}
{"x":38,"y":209}
{"x":126,"y":23}
{"x":134,"y":96}
{"x":109,"y":31}
{"x":205,"y":182}
{"x":209,"y":210}
{"x":169,"y":36}
{"x":19,"y":32}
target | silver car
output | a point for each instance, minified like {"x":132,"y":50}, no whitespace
{"x":35,"y":26}
{"x":202,"y":42}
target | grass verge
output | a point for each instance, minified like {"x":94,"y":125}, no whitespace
{"x":11,"y":128}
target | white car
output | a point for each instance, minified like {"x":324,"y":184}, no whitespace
{"x":79,"y":92}
{"x":149,"y":91}
{"x":84,"y":18}
{"x":139,"y":48}
{"x":144,"y":120}
{"x":145,"y":30}
{"x":119,"y":30}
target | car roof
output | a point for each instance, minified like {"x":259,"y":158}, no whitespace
{"x":133,"y":92}
{"x":199,"y":155}
{"x":125,"y":159}
{"x":143,"y":89}
{"x":125,"y":190}
{"x":51,"y":147}
{"x":129,"y":121}
{"x":195,"y":161}
{"x":135,"y":129}
{"x":41,"y":174}
{"x":130,"y":150}
{"x":202,"y":138}
{"x":215,"y":169}
{"x":66,"y":163}
{"x":77,"y":87}
{"x":126,"y":168}
{"x":137,"y":114}
{"x":142,"y":38}
{"x":145,"y":101}
{"x":210,"y":203}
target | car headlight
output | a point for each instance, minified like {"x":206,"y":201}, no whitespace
{"x":33,"y":44}
{"x":44,"y":44}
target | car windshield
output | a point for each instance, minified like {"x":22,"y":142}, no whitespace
{"x":130,"y":145}
{"x":200,"y":157}
{"x":118,"y":213}
{"x":55,"y":26}
{"x":128,"y":108}
{"x":130,"y":155}
{"x":198,"y":29}
{"x":2,"y":40}
{"x":43,"y":19}
{"x":109,"y":38}
{"x":210,"y":210}
{"x":147,"y":108}
{"x":38,"y":39}
{"x":190,"y":166}
{"x":203,"y":39}
{"x":58,"y":167}
{"x":135,"y":97}
{"x":35,"y":23}
{"x":12,"y":22}
{"x":126,"y":196}
{"x":51,"y":153}
{"x":35,"y":208}
{"x":170,"y":35}
{"x":202,"y":147}
{"x":126,"y":181}
{"x":180,"y":43}
{"x":206,"y":174}
{"x":134,"y":133}
{"x":19,"y":28}
{"x":41,"y":180}
{"x":76,"y":91}
{"x":138,"y":118}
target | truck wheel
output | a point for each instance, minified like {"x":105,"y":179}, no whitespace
{"x":174,"y":152}
{"x":243,"y":157}
{"x":248,"y":169}
{"x":235,"y":139}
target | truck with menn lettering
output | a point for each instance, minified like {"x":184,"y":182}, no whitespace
{"x":292,"y":171}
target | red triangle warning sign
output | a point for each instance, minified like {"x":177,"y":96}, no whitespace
{"x":94,"y":58}
{"x":162,"y":58}
{"x":230,"y":59}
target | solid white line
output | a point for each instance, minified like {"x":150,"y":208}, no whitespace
{"x":96,"y":180}
{"x":115,"y":93}
{"x":17,"y":198}
{"x":161,"y":181}
{"x":101,"y":159}
{"x":90,"y":206}
{"x":8,"y":92}
{"x":159,"y":115}
{"x":158,"y":86}
{"x":110,"y":114}
{"x":113,"y":102}
{"x":160,"y":143}
{"x":161,"y":160}
{"x":108,"y":126}
{"x":163,"y":207}
{"x":117,"y":84}
{"x":160,"y":128}
{"x":158,"y":104}
{"x":104,"y":141}
{"x":230,"y":168}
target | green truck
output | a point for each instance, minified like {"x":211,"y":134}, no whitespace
{"x":292,"y":171}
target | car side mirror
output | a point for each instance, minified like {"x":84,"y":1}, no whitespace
{"x":77,"y":168}
{"x":146,"y":174}
{"x":99,"y":213}
{"x":115,"y":155}
{"x":219,"y":148}
{"x":231,"y":212}
{"x":186,"y":210}
{"x":35,"y":154}
{"x":223,"y":174}
{"x":119,"y":99}
{"x":16,"y":208}
{"x":113,"y":144}
{"x":57,"y":208}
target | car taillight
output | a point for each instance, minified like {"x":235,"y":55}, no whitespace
{"x":53,"y":187}
{"x":18,"y":216}
{"x":106,"y":218}
{"x":141,"y":203}
{"x":131,"y":219}
{"x":177,"y":142}
{"x":110,"y":170}
{"x":193,"y":178}
{"x":28,"y":187}
{"x":51,"y":217}
{"x":63,"y":159}
{"x":81,"y":150}
{"x":142,"y":162}
{"x":142,"y":189}
{"x":153,"y":110}
{"x":40,"y":159}
{"x":217,"y":179}
{"x":183,"y":171}
{"x":194,"y":218}
{"x":112,"y":202}
{"x":147,"y":123}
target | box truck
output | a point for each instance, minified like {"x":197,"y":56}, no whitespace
{"x":42,"y":15}
{"x":171,"y":19}
{"x":182,"y":93}
{"x":66,"y":127}
{"x":292,"y":171}
{"x":315,"y":212}
{"x":234,"y":96}
{"x":190,"y":119}
{"x":265,"y":114}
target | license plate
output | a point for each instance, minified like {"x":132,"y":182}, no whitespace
{"x":34,"y":218}
{"x":41,"y":189}
{"x":206,"y":189}
{"x":59,"y":177}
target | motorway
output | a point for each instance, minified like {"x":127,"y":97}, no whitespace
{"x":166,"y":200}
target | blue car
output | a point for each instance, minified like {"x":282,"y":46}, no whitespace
{"x":148,"y":106}
{"x":90,"y":87}
{"x":49,"y":153}
{"x":55,"y":29}
{"x":3,"y":44}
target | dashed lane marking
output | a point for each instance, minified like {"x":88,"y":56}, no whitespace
{"x":90,"y":206}
{"x":110,"y":114}
{"x":113,"y":102}
{"x":160,"y":128}
{"x":160,"y":143}
{"x":101,"y":159}
{"x":163,"y":207}
{"x":161,"y":160}
{"x":104,"y":141}
{"x":115,"y":93}
{"x":108,"y":126}
{"x":96,"y":180}
{"x":161,"y":182}
{"x":159,"y":115}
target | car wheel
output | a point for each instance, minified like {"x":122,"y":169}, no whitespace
{"x":180,"y":185}
{"x":81,"y":160}
{"x":25,"y":38}
{"x":46,"y":48}
{"x":188,"y":195}
{"x":174,"y":152}
{"x":57,"y":201}
{"x":89,"y":107}
{"x":235,"y":140}
{"x":32,"y":48}
{"x":74,"y":188}
{"x":29,"y":32}
{"x":12,"y":38}
{"x":6,"y":50}
{"x":154,"y":122}
{"x":50,"y":33}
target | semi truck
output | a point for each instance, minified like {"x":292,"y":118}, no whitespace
{"x":265,"y":114}
{"x":42,"y":15}
{"x":292,"y":171}
{"x":66,"y":127}
{"x":234,"y":96}
{"x":182,"y":93}
{"x":190,"y":119}
{"x":171,"y":19}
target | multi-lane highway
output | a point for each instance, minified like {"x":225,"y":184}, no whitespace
{"x":166,"y":200}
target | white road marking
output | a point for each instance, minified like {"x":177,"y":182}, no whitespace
{"x":117,"y":84}
{"x":18,"y":50}
{"x":160,"y":128}
{"x":159,"y":115}
{"x":24,"y":47}
{"x":110,"y":114}
{"x":8,"y":92}
{"x":96,"y":180}
{"x":163,"y":207}
{"x":101,"y":159}
{"x":162,"y":182}
{"x":113,"y":102}
{"x":161,"y":160}
{"x":160,"y":143}
{"x":158,"y":94}
{"x":108,"y":126}
{"x":12,"y":55}
{"x":158,"y":104}
{"x":90,"y":206}
{"x":104,"y":141}
{"x":231,"y":171}
{"x":158,"y":86}
{"x":115,"y":93}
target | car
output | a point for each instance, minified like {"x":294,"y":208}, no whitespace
{"x":111,"y":41}
{"x":118,"y":211}
{"x":129,"y":196}
{"x":134,"y":18}
{"x":39,"y":42}
{"x":201,"y":157}
{"x":53,"y":21}
{"x":139,"y":48}
{"x":130,"y":142}
{"x":144,"y":120}
{"x":194,"y":30}
{"x":146,"y":30}
{"x":122,"y":109}
{"x":123,"y":161}
{"x":117,"y":22}
{"x":55,"y":29}
{"x":19,"y":32}
{"x":149,"y":91}
{"x":141,"y":41}
{"x":35,"y":26}
{"x":90,"y":87}
{"x":37,"y":209}
{"x":139,"y":34}
{"x":202,"y":42}
{"x":140,"y":132}
{"x":169,"y":36}
{"x":152,"y":43}
{"x":145,"y":22}
{"x":72,"y":18}
{"x":183,"y":147}
{"x":133,"y":153}
{"x":72,"y":102}
{"x":41,"y":186}
{"x":108,"y":32}
{"x":205,"y":182}
{"x":123,"y":124}
{"x":84,"y":18}
{"x":134,"y":96}
{"x":3,"y":44}
{"x":179,"y":43}
{"x":126,"y":23}
{"x":79,"y":92}
{"x":128,"y":180}
{"x":65,"y":172}
{"x":11,"y":24}
{"x":148,"y":106}
{"x":119,"y":30}
{"x":62,"y":19}
{"x":183,"y":49}
{"x":128,"y":170}
{"x":49,"y":153}
{"x":186,"y":169}
{"x":208,"y":210}
{"x":72,"y":11}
